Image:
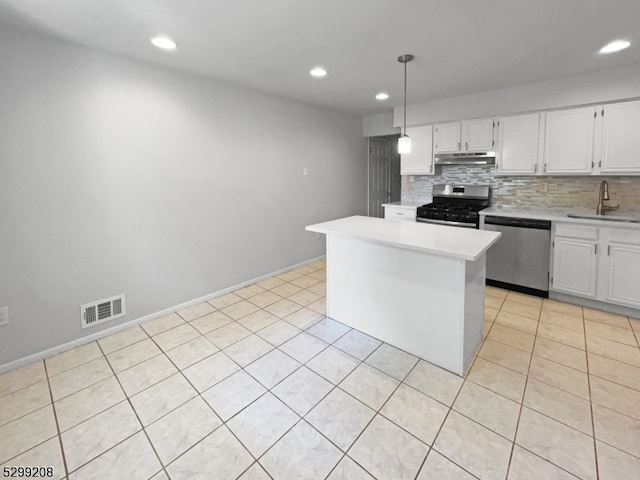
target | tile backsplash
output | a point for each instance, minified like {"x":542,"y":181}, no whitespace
{"x":529,"y":191}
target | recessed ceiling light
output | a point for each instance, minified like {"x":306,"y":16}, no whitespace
{"x":318,"y":72}
{"x":615,"y":46}
{"x":163,"y":42}
{"x":382,"y":96}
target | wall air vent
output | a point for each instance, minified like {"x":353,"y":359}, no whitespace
{"x":102,"y":311}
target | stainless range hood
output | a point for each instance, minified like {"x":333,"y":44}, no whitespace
{"x":465,"y":158}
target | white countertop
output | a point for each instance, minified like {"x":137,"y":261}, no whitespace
{"x":559,"y":215}
{"x":454,"y":242}
{"x":404,"y":204}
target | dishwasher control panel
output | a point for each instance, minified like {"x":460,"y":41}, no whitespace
{"x":518,"y":222}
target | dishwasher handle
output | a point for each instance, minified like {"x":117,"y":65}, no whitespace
{"x":518,"y":222}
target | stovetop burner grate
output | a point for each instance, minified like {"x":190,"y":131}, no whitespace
{"x":451,"y":205}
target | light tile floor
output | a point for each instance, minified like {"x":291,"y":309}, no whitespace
{"x":258,"y":384}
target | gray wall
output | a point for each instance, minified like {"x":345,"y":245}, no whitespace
{"x":121,"y":177}
{"x":379,"y":125}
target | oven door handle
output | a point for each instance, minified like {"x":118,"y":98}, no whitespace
{"x":446,"y":222}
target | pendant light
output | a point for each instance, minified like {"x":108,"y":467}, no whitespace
{"x":404,"y":142}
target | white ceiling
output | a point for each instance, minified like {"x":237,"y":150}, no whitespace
{"x":461,"y":46}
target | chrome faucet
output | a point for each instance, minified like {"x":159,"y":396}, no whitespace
{"x":603,"y":197}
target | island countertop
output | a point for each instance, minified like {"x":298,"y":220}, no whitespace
{"x":453,"y":242}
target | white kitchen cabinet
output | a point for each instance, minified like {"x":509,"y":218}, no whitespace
{"x":574,"y":266}
{"x":619,"y":269}
{"x":568,"y":141}
{"x":599,"y":262}
{"x":520,"y":145}
{"x":420,"y":160}
{"x":620,"y":139}
{"x":400,"y":212}
{"x":447,"y":137}
{"x":466,"y":136}
{"x":477,"y":135}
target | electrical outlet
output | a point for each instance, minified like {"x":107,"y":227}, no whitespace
{"x":305,"y":171}
{"x":4,"y":316}
{"x":317,"y":235}
{"x":543,"y":187}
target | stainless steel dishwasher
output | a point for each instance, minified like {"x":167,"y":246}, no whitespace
{"x":519,"y":260}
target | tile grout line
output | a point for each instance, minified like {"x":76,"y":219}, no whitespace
{"x":633,"y":330}
{"x":465,"y":379}
{"x":143,"y":428}
{"x":593,"y":424}
{"x":450,"y":407}
{"x":522,"y":399}
{"x":551,"y":418}
{"x":198,"y":394}
{"x":377,"y":412}
{"x":444,"y":420}
{"x":55,"y":415}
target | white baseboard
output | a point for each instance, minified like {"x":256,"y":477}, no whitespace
{"x":596,"y":304}
{"x":21,"y":362}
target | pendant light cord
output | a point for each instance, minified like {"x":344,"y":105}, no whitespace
{"x":405,"y":97}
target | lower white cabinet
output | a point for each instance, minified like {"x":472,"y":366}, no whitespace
{"x":575,"y":260}
{"x":397,"y":212}
{"x":620,"y":267}
{"x":602,"y":263}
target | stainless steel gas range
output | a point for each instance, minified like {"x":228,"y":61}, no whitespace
{"x":456,"y":205}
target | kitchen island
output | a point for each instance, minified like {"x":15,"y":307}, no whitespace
{"x":419,"y":287}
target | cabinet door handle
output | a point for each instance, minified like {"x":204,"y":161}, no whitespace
{"x":608,"y":249}
{"x":466,"y":145}
{"x":595,"y":249}
{"x":459,"y":146}
{"x":545,"y":168}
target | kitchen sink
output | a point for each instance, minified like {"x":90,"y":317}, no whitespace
{"x":609,"y":218}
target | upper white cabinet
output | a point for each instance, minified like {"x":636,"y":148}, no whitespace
{"x":597,"y":140}
{"x":477,"y":135}
{"x":467,"y":136}
{"x":620,"y":139}
{"x":447,"y":137}
{"x":420,"y":160}
{"x":520,"y":147}
{"x":568,"y":142}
